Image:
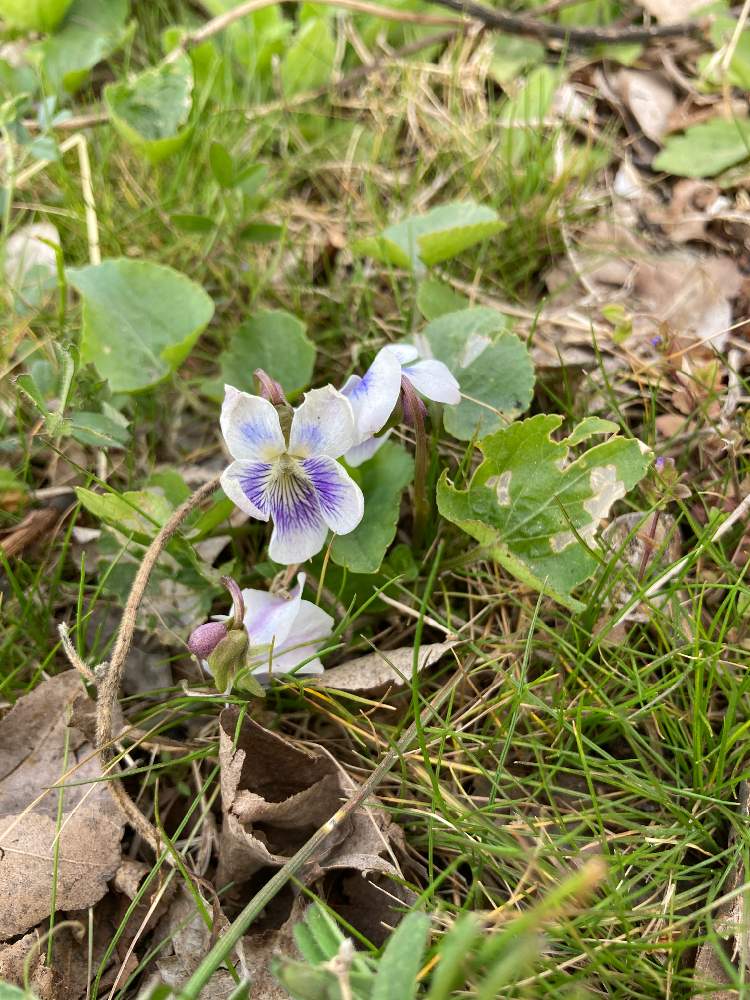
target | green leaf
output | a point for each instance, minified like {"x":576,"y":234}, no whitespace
{"x":491,"y":364}
{"x":10,"y":992}
{"x":260,"y":232}
{"x":382,"y":480}
{"x":402,"y":959}
{"x":36,"y":15}
{"x":190,"y":223}
{"x":140,"y":511}
{"x":222,"y":164}
{"x":535,"y":509}
{"x":511,"y":55}
{"x":91,"y":32}
{"x":151,"y":110}
{"x":308,"y":62}
{"x":435,"y":298}
{"x":533,"y":100}
{"x":275,"y":341}
{"x":439,"y":235}
{"x":706,"y":149}
{"x":96,"y":429}
{"x":140,"y":320}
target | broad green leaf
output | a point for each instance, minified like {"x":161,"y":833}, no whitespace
{"x":140,"y":320}
{"x":706,"y":149}
{"x":538,"y":511}
{"x":308,"y":62}
{"x":402,"y":959}
{"x":438,"y":235}
{"x":491,"y":364}
{"x":34,"y":15}
{"x":273,"y":340}
{"x":533,"y":100}
{"x":151,"y":110}
{"x":10,"y":992}
{"x":91,"y":32}
{"x":97,"y":429}
{"x":382,"y":480}
{"x":190,"y":223}
{"x":721,"y":31}
{"x":140,"y":511}
{"x":435,"y":298}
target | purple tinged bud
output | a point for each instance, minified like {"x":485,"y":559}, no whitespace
{"x":204,"y":639}
{"x":660,"y":463}
{"x":412,"y":406}
{"x":269,"y":388}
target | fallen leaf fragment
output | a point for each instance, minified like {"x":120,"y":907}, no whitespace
{"x":32,"y":754}
{"x":671,"y":11}
{"x":649,"y":98}
{"x":379,"y":670}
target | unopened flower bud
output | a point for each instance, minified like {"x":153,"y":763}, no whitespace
{"x":269,"y":388}
{"x":204,"y":639}
{"x":228,"y":657}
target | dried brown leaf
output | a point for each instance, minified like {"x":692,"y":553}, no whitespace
{"x":649,"y":98}
{"x":275,"y":794}
{"x":32,"y":754}
{"x":671,"y":11}
{"x":379,"y":670}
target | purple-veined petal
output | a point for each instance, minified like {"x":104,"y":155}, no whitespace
{"x":404,"y":353}
{"x":434,"y":381}
{"x":340,"y":499}
{"x":299,"y":527}
{"x":323,"y":424}
{"x":374,"y":396}
{"x":361,"y":452}
{"x":250,"y":426}
{"x":246,"y":484}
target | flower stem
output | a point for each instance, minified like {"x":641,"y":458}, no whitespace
{"x":414,"y":415}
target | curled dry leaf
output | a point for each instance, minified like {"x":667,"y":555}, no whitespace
{"x":649,"y":98}
{"x":378,"y":670}
{"x":33,"y":755}
{"x":693,"y":206}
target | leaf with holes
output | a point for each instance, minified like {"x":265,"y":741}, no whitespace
{"x":492,"y":365}
{"x":538,"y":511}
{"x":151,"y":110}
{"x":140,"y":320}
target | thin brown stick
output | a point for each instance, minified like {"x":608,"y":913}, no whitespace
{"x":109,"y":687}
{"x":517,"y":24}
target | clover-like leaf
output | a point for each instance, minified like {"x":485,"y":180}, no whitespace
{"x":538,"y":511}
{"x":491,"y":364}
{"x":140,"y":320}
{"x":382,"y":480}
{"x":151,"y":110}
{"x":309,"y":60}
{"x":438,"y":235}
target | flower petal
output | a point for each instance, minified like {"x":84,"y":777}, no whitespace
{"x":323,"y":424}
{"x":299,"y":527}
{"x":404,"y":353}
{"x":339,"y":498}
{"x":434,"y":381}
{"x":361,"y":452}
{"x":246,"y":484}
{"x":374,"y":396}
{"x":269,"y":617}
{"x":250,"y":426}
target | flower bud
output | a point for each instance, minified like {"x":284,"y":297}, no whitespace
{"x":228,"y":657}
{"x":204,"y":639}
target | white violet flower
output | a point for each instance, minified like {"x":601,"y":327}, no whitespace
{"x":295,"y":480}
{"x":375,"y":394}
{"x":284,"y":631}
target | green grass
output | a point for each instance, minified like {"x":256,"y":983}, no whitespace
{"x":559,"y":742}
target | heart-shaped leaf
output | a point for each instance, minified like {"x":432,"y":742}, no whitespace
{"x":440,"y":234}
{"x":151,"y":110}
{"x":140,"y":320}
{"x":706,"y":149}
{"x":34,"y":15}
{"x":382,"y":480}
{"x":491,"y":364}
